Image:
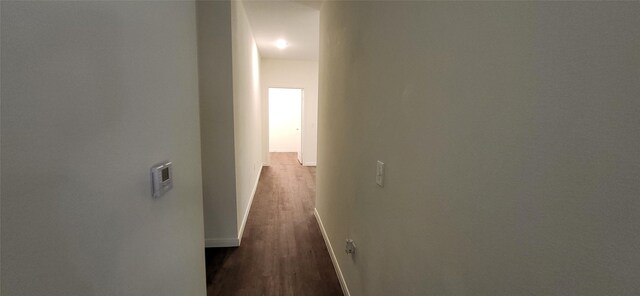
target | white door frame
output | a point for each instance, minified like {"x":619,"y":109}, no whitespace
{"x":301,"y":159}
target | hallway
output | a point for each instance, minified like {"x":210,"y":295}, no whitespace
{"x":282,"y":251}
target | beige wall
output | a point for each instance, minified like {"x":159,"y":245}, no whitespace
{"x":293,"y":74}
{"x":247,"y":112}
{"x":230,"y":108}
{"x":510,"y":137}
{"x":217,"y":122}
{"x":93,"y":95}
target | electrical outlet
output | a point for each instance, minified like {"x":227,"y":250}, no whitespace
{"x":380,"y":174}
{"x":350,"y":247}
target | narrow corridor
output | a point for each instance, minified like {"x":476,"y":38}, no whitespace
{"x":282,"y":250}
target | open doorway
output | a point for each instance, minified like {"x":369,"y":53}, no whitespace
{"x":285,"y":121}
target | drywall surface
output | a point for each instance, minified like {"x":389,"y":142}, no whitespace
{"x":229,"y":68}
{"x":93,"y":95}
{"x":510,"y":135}
{"x":293,"y":74}
{"x":246,"y":110}
{"x":0,"y":153}
{"x":217,"y":121}
{"x":285,"y":119}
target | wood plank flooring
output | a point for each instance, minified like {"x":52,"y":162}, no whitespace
{"x":282,"y":250}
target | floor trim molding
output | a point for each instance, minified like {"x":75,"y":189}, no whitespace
{"x":246,"y":213}
{"x":334,"y":260}
{"x":221,"y":242}
{"x":309,"y":164}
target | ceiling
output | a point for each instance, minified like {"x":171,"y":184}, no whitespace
{"x":298,"y":22}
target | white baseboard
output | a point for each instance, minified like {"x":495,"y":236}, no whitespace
{"x":246,"y":213}
{"x":309,"y":164}
{"x":234,"y":241}
{"x":221,"y":242}
{"x":336,"y":266}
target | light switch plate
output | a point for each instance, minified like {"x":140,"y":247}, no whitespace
{"x":380,"y":174}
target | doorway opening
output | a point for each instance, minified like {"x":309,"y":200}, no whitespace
{"x":285,"y":121}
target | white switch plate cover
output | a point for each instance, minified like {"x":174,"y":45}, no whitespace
{"x":380,"y":174}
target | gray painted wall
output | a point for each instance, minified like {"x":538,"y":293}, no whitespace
{"x":217,"y":121}
{"x":229,"y":68}
{"x":510,"y":133}
{"x":93,"y":95}
{"x":247,"y":107}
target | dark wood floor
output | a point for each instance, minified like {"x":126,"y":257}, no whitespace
{"x":282,"y":250}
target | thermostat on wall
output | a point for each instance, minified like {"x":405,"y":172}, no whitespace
{"x":161,"y":178}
